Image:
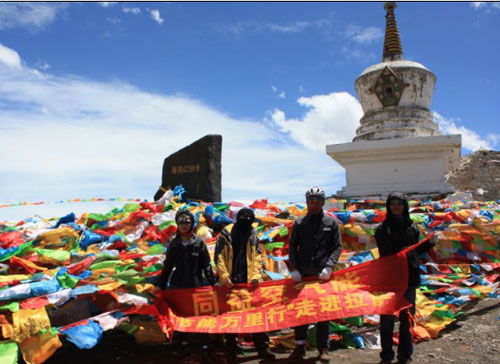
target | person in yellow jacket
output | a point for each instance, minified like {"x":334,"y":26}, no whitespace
{"x":238,"y":259}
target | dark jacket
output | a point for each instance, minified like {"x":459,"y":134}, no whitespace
{"x":399,"y":232}
{"x":224,"y":258}
{"x":314,"y":244}
{"x":191,"y":263}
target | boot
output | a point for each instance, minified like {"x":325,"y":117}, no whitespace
{"x":231,"y":353}
{"x":205,"y":356}
{"x":180,"y":352}
{"x":266,"y":354}
{"x":324,"y":356}
{"x":298,"y":353}
{"x":404,"y":360}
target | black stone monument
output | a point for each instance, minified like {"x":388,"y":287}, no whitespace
{"x":197,"y":167}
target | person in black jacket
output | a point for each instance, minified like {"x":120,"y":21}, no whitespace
{"x":314,"y":250}
{"x":188,"y":258}
{"x":396,"y":233}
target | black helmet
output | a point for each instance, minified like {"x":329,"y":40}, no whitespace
{"x":186,"y":213}
{"x":315,"y":192}
{"x":245,"y":213}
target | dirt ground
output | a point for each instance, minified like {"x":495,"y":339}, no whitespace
{"x":474,"y":338}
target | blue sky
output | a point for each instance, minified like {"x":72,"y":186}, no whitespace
{"x":93,"y":96}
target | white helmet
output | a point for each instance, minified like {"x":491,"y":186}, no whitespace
{"x":315,"y":192}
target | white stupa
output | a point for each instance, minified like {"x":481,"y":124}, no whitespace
{"x":398,"y":146}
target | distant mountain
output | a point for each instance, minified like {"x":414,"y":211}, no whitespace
{"x":479,"y":174}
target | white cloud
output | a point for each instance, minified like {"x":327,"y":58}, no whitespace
{"x":42,"y":65}
{"x":135,"y":11}
{"x":331,"y":119}
{"x":241,"y":28}
{"x":478,"y":4}
{"x":294,"y":27}
{"x":68,"y":137}
{"x":114,"y":20}
{"x":107,"y":4}
{"x":470,"y":139}
{"x":493,"y":139}
{"x":364,"y":35}
{"x":280,"y":93}
{"x":358,"y":55}
{"x":33,"y":16}
{"x":9,"y":57}
{"x":155,"y":15}
{"x":488,"y":7}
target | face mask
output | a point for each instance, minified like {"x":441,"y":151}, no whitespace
{"x":244,"y":223}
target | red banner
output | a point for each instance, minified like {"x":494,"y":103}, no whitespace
{"x":375,"y":287}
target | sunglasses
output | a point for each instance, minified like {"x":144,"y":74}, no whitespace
{"x":184,"y":221}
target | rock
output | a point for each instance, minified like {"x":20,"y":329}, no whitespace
{"x":197,"y":168}
{"x":479,"y":175}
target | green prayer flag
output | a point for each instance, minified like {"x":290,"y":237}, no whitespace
{"x":354,"y":321}
{"x":444,"y":314}
{"x":60,"y":255}
{"x":129,"y":277}
{"x":165,"y":225}
{"x":338,"y":328}
{"x":156,"y":250}
{"x":97,"y":217}
{"x":270,"y":246}
{"x":8,"y":352}
{"x":131,"y":207}
{"x":67,"y":281}
{"x":168,"y":207}
{"x":155,"y":268}
{"x":12,"y":307}
{"x":20,"y":251}
{"x":128,"y":327}
{"x":283,"y":231}
{"x":105,"y":264}
{"x":123,"y":267}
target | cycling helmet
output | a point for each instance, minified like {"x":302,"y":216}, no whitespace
{"x":315,"y":192}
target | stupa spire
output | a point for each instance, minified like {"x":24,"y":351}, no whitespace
{"x":392,"y":45}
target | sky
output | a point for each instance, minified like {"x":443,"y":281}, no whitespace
{"x":94,"y":96}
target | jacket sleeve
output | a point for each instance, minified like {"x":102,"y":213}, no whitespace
{"x":293,"y":246}
{"x":336,"y":245}
{"x":220,"y":264}
{"x":206,"y":266}
{"x":382,"y":242}
{"x":256,"y":261}
{"x":168,"y":266}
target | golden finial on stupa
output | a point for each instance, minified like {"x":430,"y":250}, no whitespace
{"x":392,"y":45}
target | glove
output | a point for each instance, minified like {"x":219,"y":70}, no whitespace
{"x":325,"y":274}
{"x":254,"y":283}
{"x":296,"y":276}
